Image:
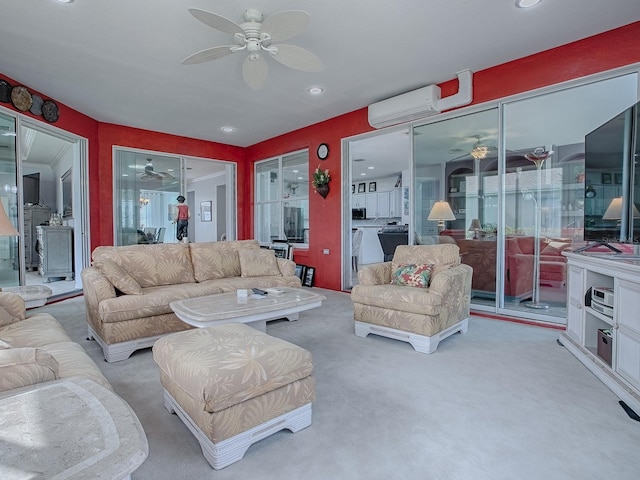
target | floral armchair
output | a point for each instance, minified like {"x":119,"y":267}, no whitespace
{"x":421,"y":297}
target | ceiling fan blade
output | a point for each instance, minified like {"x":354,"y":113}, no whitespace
{"x":298,"y":58}
{"x":285,"y":25}
{"x":466,"y":156}
{"x":255,"y":72}
{"x":216,"y":21}
{"x":208,"y":54}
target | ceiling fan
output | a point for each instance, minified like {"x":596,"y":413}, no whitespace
{"x":478,"y":150}
{"x":255,"y":36}
{"x":150,"y":174}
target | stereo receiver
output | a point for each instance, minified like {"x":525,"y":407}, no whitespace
{"x":602,"y":295}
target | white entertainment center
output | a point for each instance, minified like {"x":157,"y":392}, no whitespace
{"x":603,"y":320}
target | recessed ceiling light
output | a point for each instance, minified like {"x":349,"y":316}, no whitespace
{"x":363,"y":174}
{"x":65,"y":1}
{"x":228,"y":129}
{"x":125,"y":174}
{"x":527,"y":3}
{"x":371,"y":168}
{"x":315,"y":90}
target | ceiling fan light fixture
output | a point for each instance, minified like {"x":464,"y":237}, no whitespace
{"x":479,"y":151}
{"x":527,"y":3}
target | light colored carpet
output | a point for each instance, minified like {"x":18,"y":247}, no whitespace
{"x":504,"y":401}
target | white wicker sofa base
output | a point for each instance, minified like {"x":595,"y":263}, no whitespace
{"x":420,"y":343}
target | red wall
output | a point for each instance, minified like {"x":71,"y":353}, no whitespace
{"x":595,"y":54}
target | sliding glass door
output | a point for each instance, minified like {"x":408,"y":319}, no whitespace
{"x":512,"y":181}
{"x":9,"y":201}
{"x":146,"y":186}
{"x":544,"y":186}
{"x":456,"y":161}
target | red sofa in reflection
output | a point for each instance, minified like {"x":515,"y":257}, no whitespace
{"x":518,"y":267}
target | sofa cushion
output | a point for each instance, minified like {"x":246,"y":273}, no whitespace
{"x":118,"y":277}
{"x":151,"y":265}
{"x":213,"y":260}
{"x":412,"y":275}
{"x":4,"y":345}
{"x":20,"y":367}
{"x":6,"y":318}
{"x":555,"y":248}
{"x":393,"y":297}
{"x":37,"y":330}
{"x":73,"y":361}
{"x":258,"y":262}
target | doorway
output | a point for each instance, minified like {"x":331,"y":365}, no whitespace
{"x":377,"y":169}
{"x":42,"y":187}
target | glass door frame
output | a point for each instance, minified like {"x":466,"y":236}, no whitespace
{"x":230,"y":174}
{"x":81,"y":218}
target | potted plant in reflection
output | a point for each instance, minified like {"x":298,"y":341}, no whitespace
{"x":320,"y":181}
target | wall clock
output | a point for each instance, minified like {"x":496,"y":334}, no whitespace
{"x":323,"y":151}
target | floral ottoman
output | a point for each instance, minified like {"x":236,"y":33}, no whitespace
{"x":233,"y":385}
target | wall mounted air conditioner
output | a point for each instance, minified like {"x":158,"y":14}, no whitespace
{"x":420,"y":103}
{"x":406,"y":107}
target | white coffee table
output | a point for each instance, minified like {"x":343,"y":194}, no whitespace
{"x":71,"y":428}
{"x":33,"y":295}
{"x":221,"y":308}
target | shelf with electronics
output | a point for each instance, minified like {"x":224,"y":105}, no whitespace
{"x":603,"y":328}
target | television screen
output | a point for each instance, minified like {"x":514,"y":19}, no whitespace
{"x":31,"y":188}
{"x":610,"y":215}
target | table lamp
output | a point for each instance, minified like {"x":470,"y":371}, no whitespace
{"x":441,"y":211}
{"x":6,"y":227}
{"x":475,"y":227}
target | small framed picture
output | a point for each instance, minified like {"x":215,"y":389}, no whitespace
{"x":606,"y":179}
{"x":353,"y":188}
{"x":308,"y":276}
{"x":617,"y":178}
{"x":372,"y":186}
{"x":362,"y":187}
{"x":300,"y":271}
{"x":205,"y":211}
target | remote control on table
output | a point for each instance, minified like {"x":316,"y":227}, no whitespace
{"x":258,"y":291}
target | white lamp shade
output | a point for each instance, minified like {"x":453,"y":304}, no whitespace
{"x":6,"y":227}
{"x":614,"y":210}
{"x":441,"y":211}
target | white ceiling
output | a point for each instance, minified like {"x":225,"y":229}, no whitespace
{"x":119,"y":61}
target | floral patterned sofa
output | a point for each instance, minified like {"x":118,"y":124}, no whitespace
{"x":127,"y":289}
{"x":35,"y":349}
{"x":422,"y":312}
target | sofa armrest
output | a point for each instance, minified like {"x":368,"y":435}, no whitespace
{"x":20,"y":367}
{"x":287,"y":267}
{"x":95,"y":288}
{"x":13,"y":304}
{"x":375,"y":274}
